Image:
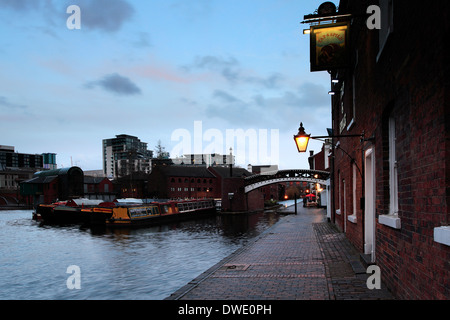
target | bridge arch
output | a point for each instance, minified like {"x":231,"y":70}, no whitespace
{"x":280,"y":176}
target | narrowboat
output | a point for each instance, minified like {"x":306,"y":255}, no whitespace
{"x":123,"y":214}
{"x":71,"y":211}
{"x":159,"y":212}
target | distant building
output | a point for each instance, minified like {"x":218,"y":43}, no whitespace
{"x":49,"y":160}
{"x":124,"y":155}
{"x":262,"y":169}
{"x":184,"y":181}
{"x":51,"y":185}
{"x":16,"y":167}
{"x":208,"y":160}
{"x":321,"y":161}
{"x":273,"y":192}
{"x":11,"y":159}
{"x":96,"y":187}
{"x":64,"y":184}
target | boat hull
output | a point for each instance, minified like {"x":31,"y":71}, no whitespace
{"x":160,"y":219}
{"x":126,"y":215}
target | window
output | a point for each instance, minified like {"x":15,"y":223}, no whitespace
{"x":393,"y":180}
{"x":352,"y":217}
{"x":345,"y":205}
{"x":392,"y":220}
{"x":338,"y":210}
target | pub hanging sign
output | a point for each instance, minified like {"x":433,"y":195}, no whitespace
{"x":329,"y":46}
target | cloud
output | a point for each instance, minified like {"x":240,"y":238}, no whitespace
{"x":115,"y":83}
{"x":20,"y":5}
{"x":227,"y":67}
{"x":270,"y":82}
{"x":227,"y":107}
{"x":104,"y":15}
{"x":193,"y":10}
{"x":309,"y":101}
{"x":225,"y":97}
{"x":232,"y":71}
{"x":143,"y":40}
{"x":6,"y":103}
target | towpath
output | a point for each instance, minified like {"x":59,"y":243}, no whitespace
{"x":301,"y":257}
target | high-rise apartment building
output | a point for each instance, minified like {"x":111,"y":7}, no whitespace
{"x":125,"y":154}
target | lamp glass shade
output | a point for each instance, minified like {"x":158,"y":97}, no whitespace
{"x":301,"y":141}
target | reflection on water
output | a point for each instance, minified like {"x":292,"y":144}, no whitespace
{"x":144,"y":263}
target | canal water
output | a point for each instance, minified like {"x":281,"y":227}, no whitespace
{"x":145,"y":263}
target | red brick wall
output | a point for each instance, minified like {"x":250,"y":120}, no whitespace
{"x":409,"y":82}
{"x":196,"y":187}
{"x":241,"y":201}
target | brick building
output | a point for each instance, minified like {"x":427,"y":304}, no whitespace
{"x":16,"y":167}
{"x":391,"y":190}
{"x":48,"y":186}
{"x":181,"y":181}
{"x":98,"y":188}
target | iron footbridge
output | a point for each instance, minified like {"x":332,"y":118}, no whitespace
{"x":280,"y":176}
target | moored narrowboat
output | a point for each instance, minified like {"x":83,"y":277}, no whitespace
{"x":117,"y":214}
{"x":158,"y":213}
{"x":71,"y":211}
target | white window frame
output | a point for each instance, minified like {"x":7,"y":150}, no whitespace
{"x":392,"y":220}
{"x":345,"y":206}
{"x":352,"y":217}
{"x":338,"y":210}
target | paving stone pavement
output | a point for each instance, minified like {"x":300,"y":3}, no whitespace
{"x":301,"y":257}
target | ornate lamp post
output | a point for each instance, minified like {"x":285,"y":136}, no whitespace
{"x":301,"y":139}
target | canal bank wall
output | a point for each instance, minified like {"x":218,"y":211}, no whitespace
{"x":301,"y":257}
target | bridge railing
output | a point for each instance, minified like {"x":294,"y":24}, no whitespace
{"x":280,"y":176}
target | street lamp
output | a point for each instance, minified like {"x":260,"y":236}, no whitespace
{"x":301,"y":139}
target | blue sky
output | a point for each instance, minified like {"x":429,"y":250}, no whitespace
{"x":150,"y":68}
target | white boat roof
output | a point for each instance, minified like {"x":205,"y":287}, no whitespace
{"x":87,"y":202}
